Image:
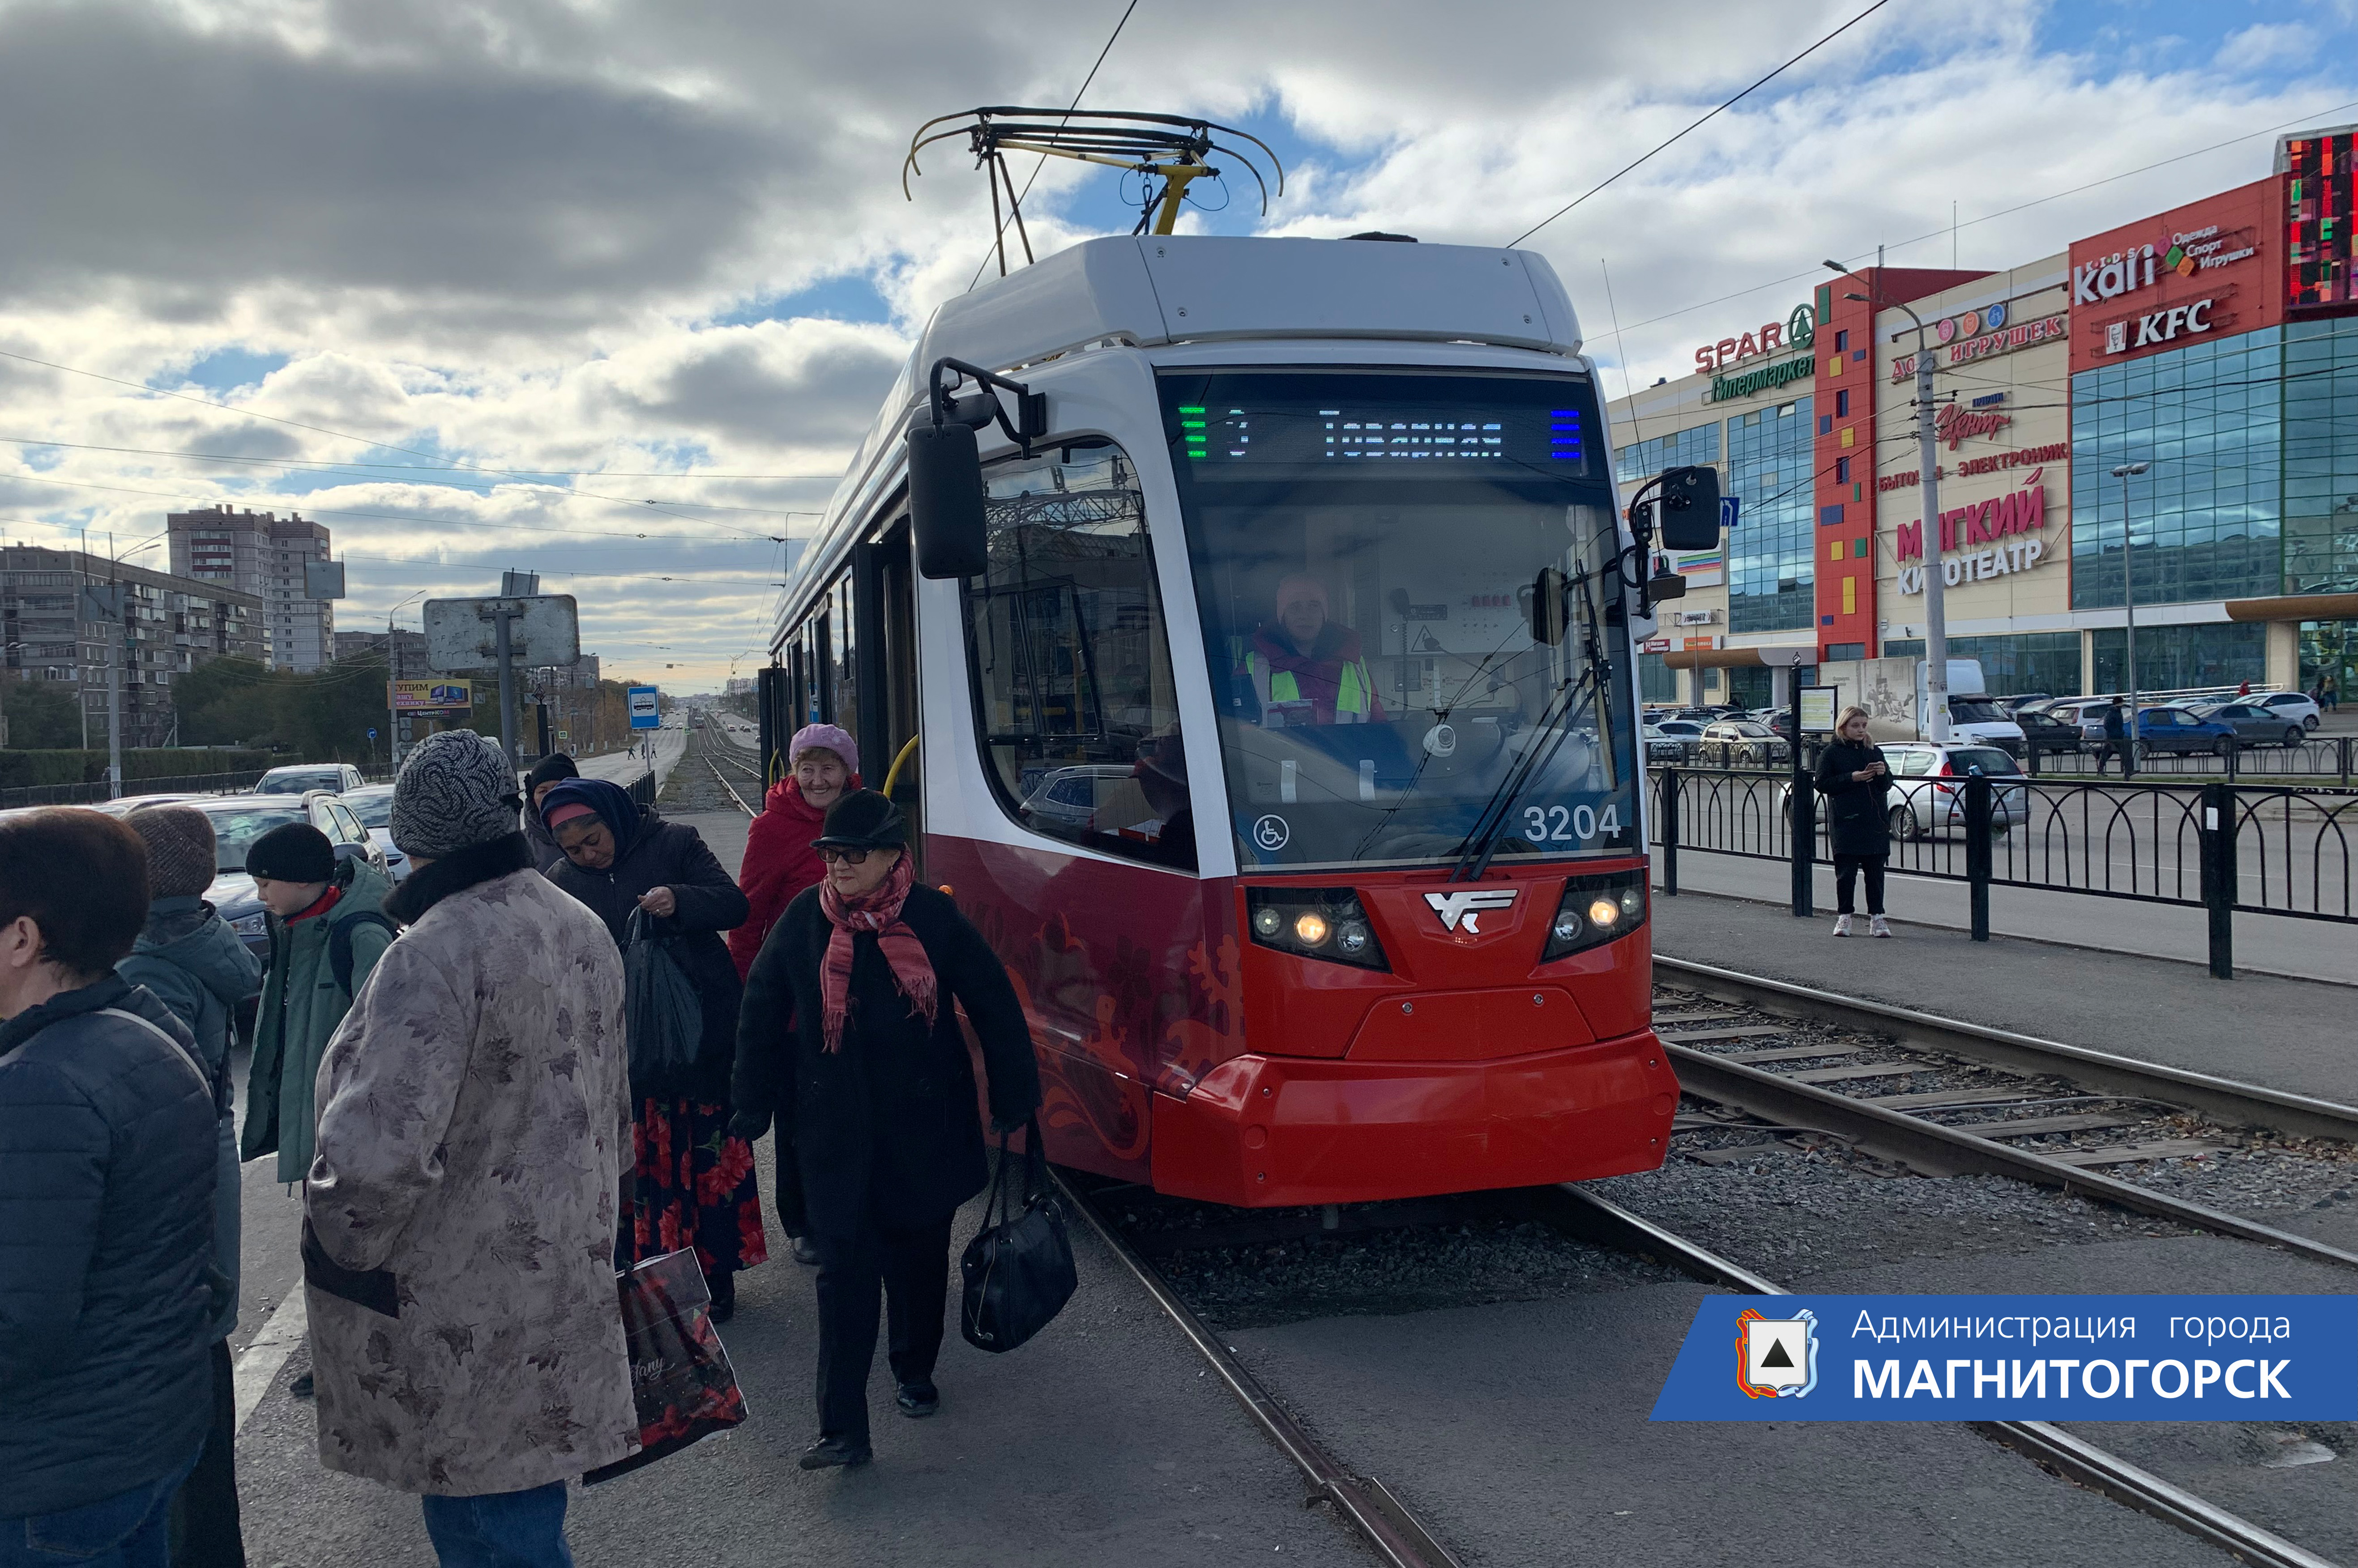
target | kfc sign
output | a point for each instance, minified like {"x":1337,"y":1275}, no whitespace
{"x":2158,"y":327}
{"x":1798,"y":330}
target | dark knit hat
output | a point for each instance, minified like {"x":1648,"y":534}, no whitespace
{"x":455,"y":789}
{"x":864,"y":819}
{"x":297,"y":852}
{"x":550,"y":769}
{"x":180,"y":849}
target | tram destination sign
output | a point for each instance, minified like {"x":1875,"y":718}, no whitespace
{"x":1415,"y":428}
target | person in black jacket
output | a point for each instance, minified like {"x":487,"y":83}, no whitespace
{"x":2118,"y":740}
{"x":851,"y":1039}
{"x":107,"y":1155}
{"x":694,"y":1184}
{"x":1853,"y":780}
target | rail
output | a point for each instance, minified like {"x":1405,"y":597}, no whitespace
{"x":2226,"y":846}
{"x":95,"y":792}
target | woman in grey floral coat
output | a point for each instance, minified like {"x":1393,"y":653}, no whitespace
{"x":473,"y":1138}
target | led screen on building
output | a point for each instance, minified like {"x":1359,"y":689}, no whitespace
{"x":2317,"y":215}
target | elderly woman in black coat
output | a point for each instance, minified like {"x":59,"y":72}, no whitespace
{"x":694,"y":1184}
{"x":851,"y":1040}
{"x":1853,"y":780}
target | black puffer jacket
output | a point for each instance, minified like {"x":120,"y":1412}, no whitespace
{"x":1856,"y":821}
{"x":886,"y":1127}
{"x":673,"y":855}
{"x":106,"y":1218}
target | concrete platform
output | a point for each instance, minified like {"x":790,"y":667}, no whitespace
{"x":2291,"y":1034}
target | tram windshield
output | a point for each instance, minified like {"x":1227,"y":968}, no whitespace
{"x":1366,"y":549}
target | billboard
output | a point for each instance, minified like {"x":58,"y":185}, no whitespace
{"x":2318,"y":206}
{"x":2206,"y":270}
{"x":432,"y":696}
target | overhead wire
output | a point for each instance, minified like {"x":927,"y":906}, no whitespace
{"x":1698,"y":124}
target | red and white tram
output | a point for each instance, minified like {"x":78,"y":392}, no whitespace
{"x":1275,"y":719}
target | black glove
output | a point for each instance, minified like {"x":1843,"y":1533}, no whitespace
{"x":749,"y":1125}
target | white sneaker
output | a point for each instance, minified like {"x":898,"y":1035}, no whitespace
{"x":1842,"y":924}
{"x":1876,"y":926}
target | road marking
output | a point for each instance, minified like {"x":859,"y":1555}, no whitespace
{"x":258,"y":1363}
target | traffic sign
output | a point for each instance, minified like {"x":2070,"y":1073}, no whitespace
{"x":1728,"y":507}
{"x":646,"y":714}
{"x":461,"y":636}
{"x":372,"y":734}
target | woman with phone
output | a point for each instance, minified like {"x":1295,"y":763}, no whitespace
{"x":1853,"y":780}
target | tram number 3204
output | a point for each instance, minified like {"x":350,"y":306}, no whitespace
{"x":1579,"y":823}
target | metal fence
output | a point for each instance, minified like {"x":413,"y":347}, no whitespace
{"x":2331,"y":758}
{"x":2282,"y":850}
{"x":96,"y":793}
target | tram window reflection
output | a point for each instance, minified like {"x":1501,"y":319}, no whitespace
{"x":1072,"y":660}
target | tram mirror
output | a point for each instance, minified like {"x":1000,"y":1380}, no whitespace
{"x":1546,"y":602}
{"x":1689,"y":508}
{"x":946,"y":501}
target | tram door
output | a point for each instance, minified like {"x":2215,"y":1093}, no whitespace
{"x":884,"y":587}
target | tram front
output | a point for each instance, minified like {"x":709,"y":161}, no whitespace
{"x":1409,"y":585}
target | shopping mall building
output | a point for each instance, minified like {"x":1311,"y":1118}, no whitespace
{"x":2215,"y":343}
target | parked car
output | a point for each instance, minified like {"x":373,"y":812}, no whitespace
{"x":2180,"y":732}
{"x":1927,"y":791}
{"x":373,"y":803}
{"x":2253,"y":724}
{"x":2043,"y":732}
{"x":336,"y":778}
{"x":2014,"y":705}
{"x":1742,"y":744}
{"x":2085,"y":713}
{"x":1661,"y":746}
{"x":2289,"y":704}
{"x":238,"y":820}
{"x":1072,"y":796}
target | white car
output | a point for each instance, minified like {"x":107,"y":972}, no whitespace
{"x":2292,"y":704}
{"x":373,"y":803}
{"x":1928,"y":794}
{"x":336,"y":778}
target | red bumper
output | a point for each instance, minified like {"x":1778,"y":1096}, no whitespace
{"x":1259,"y":1131}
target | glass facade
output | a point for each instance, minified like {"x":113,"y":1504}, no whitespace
{"x":1657,"y":682}
{"x":2183,"y":658}
{"x":2328,"y":657}
{"x":1644,"y":459}
{"x":2206,"y":514}
{"x":1770,"y":580}
{"x":2015,"y":664}
{"x":2321,"y":456}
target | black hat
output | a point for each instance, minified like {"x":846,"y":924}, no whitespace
{"x":864,"y":819}
{"x":297,"y":852}
{"x":555,"y":766}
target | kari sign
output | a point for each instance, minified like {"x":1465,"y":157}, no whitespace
{"x":2165,"y":281}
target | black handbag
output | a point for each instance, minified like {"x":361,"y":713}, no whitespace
{"x":1019,"y":1268}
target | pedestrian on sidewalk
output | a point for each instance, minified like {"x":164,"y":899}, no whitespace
{"x":546,"y":775}
{"x":780,"y":860}
{"x":694,"y":1185}
{"x":191,"y":960}
{"x":2116,"y":741}
{"x":108,"y":1142}
{"x":852,"y":1041}
{"x":458,"y":1239}
{"x":1855,"y":781}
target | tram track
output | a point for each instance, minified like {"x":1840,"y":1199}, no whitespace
{"x":1404,"y":1539}
{"x":1768,"y":1059}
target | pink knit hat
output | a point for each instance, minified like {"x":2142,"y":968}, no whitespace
{"x":830,"y":737}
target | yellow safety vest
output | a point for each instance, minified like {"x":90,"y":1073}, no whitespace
{"x":1352,"y":685}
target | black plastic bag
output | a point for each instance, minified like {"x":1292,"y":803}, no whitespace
{"x":680,"y":1377}
{"x":1019,"y":1271}
{"x":662,"y":1016}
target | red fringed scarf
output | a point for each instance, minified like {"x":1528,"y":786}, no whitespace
{"x":878,"y":912}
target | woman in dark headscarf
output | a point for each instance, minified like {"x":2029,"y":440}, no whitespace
{"x":546,"y":775}
{"x":694,"y":1184}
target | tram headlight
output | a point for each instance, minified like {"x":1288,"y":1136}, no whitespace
{"x":1328,"y":924}
{"x":1596,"y":910}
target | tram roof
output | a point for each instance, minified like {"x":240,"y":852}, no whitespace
{"x":1166,"y":288}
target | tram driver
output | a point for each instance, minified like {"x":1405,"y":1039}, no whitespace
{"x":1306,"y":668}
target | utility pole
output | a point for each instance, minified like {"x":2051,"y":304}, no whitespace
{"x":2128,"y":596}
{"x":1928,"y":462}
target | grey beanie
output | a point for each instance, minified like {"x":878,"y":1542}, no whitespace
{"x":180,"y":849}
{"x":454,"y":790}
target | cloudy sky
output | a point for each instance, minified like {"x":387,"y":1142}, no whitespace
{"x":609,"y":289}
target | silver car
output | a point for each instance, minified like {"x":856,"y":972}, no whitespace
{"x":1928,"y":788}
{"x":373,"y":803}
{"x":2254,"y":724}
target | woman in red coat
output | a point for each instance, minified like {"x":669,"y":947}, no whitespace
{"x":822,"y":765}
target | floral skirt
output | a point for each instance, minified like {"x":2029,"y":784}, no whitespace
{"x":694,"y":1187}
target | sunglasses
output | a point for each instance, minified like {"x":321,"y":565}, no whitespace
{"x":831,"y":853}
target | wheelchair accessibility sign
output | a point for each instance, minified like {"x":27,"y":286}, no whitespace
{"x":1776,"y":1358}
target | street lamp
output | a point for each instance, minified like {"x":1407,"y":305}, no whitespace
{"x":2128,"y":594}
{"x":1936,"y":615}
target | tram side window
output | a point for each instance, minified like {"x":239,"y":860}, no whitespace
{"x":845,"y":675}
{"x":1072,"y":662}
